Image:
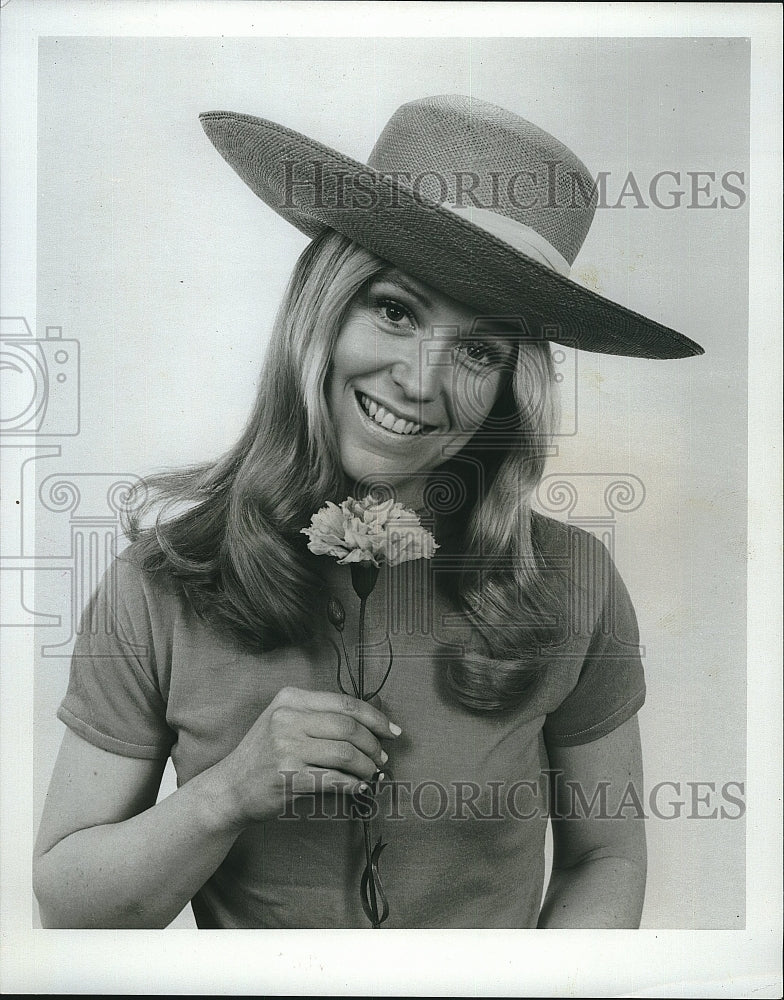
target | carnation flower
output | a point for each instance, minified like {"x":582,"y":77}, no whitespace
{"x":365,"y":534}
{"x":369,"y":530}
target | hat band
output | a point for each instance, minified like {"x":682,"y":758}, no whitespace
{"x":523,"y":238}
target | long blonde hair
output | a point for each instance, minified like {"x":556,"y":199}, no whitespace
{"x":237,"y":548}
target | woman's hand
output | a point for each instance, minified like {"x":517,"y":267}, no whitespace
{"x":305,"y":741}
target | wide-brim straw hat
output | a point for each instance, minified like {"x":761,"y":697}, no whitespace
{"x":471,"y":199}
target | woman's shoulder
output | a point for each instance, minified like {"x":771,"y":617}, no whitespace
{"x":139,"y":581}
{"x":577,"y":564}
{"x":557,"y":538}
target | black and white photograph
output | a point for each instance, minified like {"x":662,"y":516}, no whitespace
{"x":391,"y":495}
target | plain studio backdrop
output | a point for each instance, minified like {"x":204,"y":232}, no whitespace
{"x":167,"y":270}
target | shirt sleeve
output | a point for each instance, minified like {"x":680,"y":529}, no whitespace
{"x":114,"y":698}
{"x":611,"y":685}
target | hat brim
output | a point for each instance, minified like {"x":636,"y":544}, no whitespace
{"x":431,"y":242}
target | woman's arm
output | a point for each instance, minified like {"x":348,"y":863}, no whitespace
{"x":599,"y":852}
{"x":108,"y":856}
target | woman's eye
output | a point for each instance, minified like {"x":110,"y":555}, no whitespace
{"x":393,"y":312}
{"x":477,"y":352}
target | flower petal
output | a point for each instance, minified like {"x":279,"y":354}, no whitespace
{"x":369,"y":530}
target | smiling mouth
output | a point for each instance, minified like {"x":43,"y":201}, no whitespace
{"x":389,"y":421}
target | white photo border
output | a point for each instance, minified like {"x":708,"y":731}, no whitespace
{"x":698,"y":963}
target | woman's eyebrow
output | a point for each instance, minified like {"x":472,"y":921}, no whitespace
{"x":400,"y":279}
{"x":500,"y":327}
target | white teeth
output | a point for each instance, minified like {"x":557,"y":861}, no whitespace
{"x":397,"y":425}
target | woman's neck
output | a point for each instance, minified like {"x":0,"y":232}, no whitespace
{"x":410,"y":493}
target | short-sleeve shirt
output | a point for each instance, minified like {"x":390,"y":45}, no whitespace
{"x":464,"y":815}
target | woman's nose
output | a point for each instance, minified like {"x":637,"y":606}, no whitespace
{"x":419,"y":370}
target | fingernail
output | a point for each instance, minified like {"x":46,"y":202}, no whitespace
{"x":362,"y":788}
{"x":395,"y":730}
{"x":381,"y":776}
{"x":384,"y":756}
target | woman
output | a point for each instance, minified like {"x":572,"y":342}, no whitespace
{"x":410,"y":356}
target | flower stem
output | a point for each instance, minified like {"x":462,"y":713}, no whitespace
{"x":363,"y":579}
{"x":371,"y":881}
{"x":365,"y":822}
{"x":348,"y":667}
{"x":361,"y":650}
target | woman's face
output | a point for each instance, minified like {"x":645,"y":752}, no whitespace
{"x":411,"y":378}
